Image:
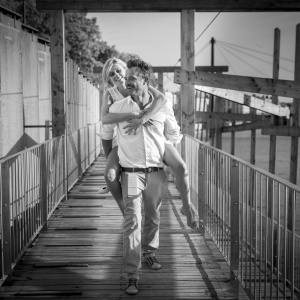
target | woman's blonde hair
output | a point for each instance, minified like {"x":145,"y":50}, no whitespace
{"x":107,"y":67}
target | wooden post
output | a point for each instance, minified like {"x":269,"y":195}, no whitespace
{"x":295,"y":122}
{"x":57,"y":44}
{"x":219,"y":122}
{"x":276,"y":57}
{"x":6,"y":222}
{"x":232,"y":145}
{"x":160,"y":79}
{"x":58,"y":80}
{"x":188,"y":63}
{"x":234,"y":224}
{"x":252,"y":142}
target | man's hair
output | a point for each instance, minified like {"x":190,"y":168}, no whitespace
{"x":145,"y":69}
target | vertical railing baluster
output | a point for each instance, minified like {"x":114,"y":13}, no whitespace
{"x":43,"y":186}
{"x":201,"y":190}
{"x":278,"y":242}
{"x":293,"y":215}
{"x":234,"y":224}
{"x":285,"y":224}
{"x":6,"y":221}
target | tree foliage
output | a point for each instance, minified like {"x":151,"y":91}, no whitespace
{"x":84,"y":43}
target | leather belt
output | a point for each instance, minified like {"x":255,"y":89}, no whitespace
{"x":142,"y":170}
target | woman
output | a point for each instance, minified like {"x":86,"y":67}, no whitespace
{"x":113,"y":74}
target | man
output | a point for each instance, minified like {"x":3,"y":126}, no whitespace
{"x":142,"y":178}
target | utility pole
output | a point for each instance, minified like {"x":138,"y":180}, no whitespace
{"x":212,"y":41}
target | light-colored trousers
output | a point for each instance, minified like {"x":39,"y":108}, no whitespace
{"x":138,"y":187}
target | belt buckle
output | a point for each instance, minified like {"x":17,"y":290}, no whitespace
{"x":149,"y":170}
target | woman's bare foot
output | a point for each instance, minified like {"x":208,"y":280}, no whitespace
{"x":190,"y":216}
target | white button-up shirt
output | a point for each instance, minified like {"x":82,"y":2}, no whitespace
{"x":145,"y":148}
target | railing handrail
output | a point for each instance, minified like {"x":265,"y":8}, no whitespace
{"x":251,"y":215}
{"x":264,"y":172}
{"x":33,"y":182}
{"x":6,"y":158}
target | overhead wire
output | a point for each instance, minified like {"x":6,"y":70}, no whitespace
{"x":245,"y":62}
{"x":243,"y":52}
{"x":254,"y":50}
{"x":229,"y":64}
{"x":250,"y":55}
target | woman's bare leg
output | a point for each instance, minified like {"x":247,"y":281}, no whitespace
{"x":178,"y":166}
{"x":107,"y":147}
{"x":111,"y":175}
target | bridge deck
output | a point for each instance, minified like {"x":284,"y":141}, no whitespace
{"x":79,"y":256}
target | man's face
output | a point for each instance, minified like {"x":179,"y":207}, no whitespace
{"x":135,"y":83}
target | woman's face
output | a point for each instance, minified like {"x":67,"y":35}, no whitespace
{"x":116,"y":75}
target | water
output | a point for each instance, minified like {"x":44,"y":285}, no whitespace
{"x":283,"y":152}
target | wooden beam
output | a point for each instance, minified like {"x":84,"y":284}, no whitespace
{"x":171,"y":69}
{"x":57,"y":43}
{"x":247,"y":126}
{"x":250,"y":101}
{"x":295,"y":122}
{"x":160,"y":81}
{"x":188,"y":63}
{"x":281,"y":131}
{"x":168,"y":5}
{"x":229,"y":116}
{"x":273,"y":138}
{"x":284,"y":88}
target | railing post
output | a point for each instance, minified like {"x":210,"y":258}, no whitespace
{"x":43,"y":186}
{"x":234,"y":224}
{"x":65,"y":164}
{"x":201,"y":190}
{"x":79,"y":153}
{"x":6,"y":222}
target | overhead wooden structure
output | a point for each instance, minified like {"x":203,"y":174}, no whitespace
{"x":187,"y":11}
{"x":169,"y":5}
{"x":166,"y":69}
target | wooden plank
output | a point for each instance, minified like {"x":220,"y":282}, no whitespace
{"x":229,"y":116}
{"x":247,"y":126}
{"x":166,"y":69}
{"x":281,"y":131}
{"x":248,"y":100}
{"x":168,"y":5}
{"x":61,"y":263}
{"x":284,"y":88}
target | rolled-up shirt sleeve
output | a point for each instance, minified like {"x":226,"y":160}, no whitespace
{"x":107,"y":131}
{"x":172,"y":129}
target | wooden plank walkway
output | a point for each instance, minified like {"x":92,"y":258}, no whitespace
{"x":79,"y":256}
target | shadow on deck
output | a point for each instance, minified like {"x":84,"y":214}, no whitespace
{"x":79,"y":256}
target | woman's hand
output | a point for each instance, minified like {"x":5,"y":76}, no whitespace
{"x":135,"y":123}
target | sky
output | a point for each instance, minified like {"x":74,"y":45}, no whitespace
{"x":244,"y":41}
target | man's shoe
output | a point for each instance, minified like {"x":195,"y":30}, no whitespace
{"x":132,"y":287}
{"x":152,"y":262}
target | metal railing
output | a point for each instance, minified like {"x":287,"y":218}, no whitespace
{"x":33,"y":182}
{"x":251,"y":216}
